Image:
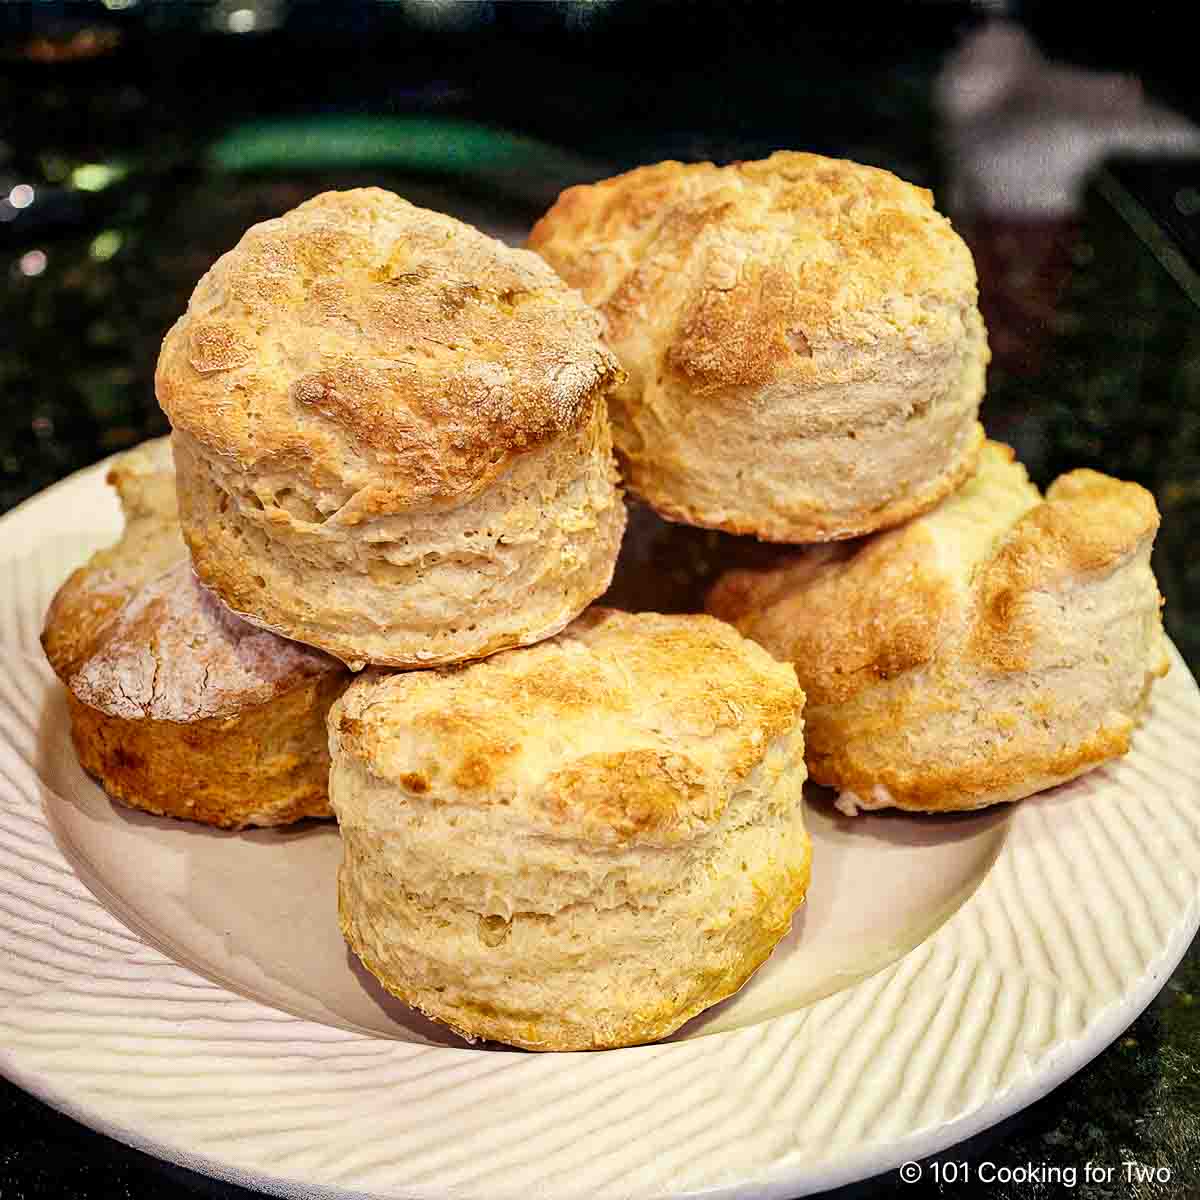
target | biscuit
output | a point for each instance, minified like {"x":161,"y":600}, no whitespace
{"x":391,"y":435}
{"x":994,"y":647}
{"x":577,"y":845}
{"x":804,"y":350}
{"x":177,"y":707}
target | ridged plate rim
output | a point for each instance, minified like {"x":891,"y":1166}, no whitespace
{"x":883,"y":1072}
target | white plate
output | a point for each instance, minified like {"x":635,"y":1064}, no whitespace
{"x":944,"y":973}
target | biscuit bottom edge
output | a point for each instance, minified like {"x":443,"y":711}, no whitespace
{"x":1003,"y":774}
{"x":815,"y":524}
{"x":608,"y":993}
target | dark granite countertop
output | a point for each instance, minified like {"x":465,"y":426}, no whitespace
{"x":134,"y":204}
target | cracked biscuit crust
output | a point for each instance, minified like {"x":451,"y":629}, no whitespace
{"x":177,"y":706}
{"x":804,"y":349}
{"x":525,"y":835}
{"x":996,"y":646}
{"x":390,"y":354}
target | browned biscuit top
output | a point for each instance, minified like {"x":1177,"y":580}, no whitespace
{"x":761,"y":268}
{"x":358,"y":325}
{"x":623,"y":727}
{"x":1089,"y":524}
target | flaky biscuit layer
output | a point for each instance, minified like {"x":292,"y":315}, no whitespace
{"x":509,"y":567}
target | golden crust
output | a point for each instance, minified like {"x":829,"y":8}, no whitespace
{"x":852,"y":614}
{"x":382,"y":350}
{"x":86,"y":604}
{"x":133,"y":634}
{"x":892,"y":596}
{"x":178,"y":707}
{"x":814,"y":319}
{"x":477,"y":730}
{"x":1089,"y":524}
{"x":776,"y":251}
{"x":267,"y":765}
{"x":509,"y":567}
{"x":144,"y":480}
{"x":996,"y":646}
{"x":959,"y":785}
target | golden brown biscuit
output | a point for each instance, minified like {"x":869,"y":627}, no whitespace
{"x":177,"y":706}
{"x":996,"y":646}
{"x":391,"y":435}
{"x":804,"y":350}
{"x":577,"y":845}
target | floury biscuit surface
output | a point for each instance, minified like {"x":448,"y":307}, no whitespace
{"x":804,"y":350}
{"x":391,"y":435}
{"x":177,"y":706}
{"x":994,"y":647}
{"x":576,"y":845}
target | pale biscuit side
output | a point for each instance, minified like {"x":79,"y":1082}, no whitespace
{"x":507,"y":568}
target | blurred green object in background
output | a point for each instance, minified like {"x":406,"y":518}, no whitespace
{"x":440,"y":145}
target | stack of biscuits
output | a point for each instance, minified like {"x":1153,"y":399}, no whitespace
{"x":360,"y":581}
